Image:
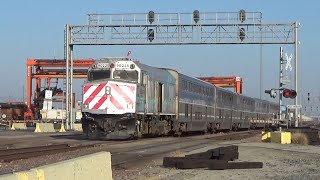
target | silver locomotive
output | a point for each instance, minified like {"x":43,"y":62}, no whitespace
{"x":128,"y":99}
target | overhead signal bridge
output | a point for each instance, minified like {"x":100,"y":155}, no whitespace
{"x":180,"y":28}
{"x":153,"y":28}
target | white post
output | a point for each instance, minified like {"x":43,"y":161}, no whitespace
{"x":67,"y":75}
{"x":296,"y":70}
{"x":280,"y":81}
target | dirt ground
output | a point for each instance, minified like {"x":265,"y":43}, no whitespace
{"x":279,"y":162}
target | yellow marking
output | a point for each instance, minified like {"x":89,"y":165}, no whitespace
{"x":62,"y":128}
{"x":22,"y":176}
{"x":37,"y":128}
{"x":40,"y":174}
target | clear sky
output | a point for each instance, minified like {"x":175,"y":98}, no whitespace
{"x":34,"y":29}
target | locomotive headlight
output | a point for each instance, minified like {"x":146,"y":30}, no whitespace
{"x":85,"y":106}
{"x":108,"y":90}
{"x":132,"y":66}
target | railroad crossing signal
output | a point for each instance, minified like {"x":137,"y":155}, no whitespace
{"x":289,"y":93}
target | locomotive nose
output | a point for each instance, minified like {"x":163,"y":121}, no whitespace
{"x":110,"y":97}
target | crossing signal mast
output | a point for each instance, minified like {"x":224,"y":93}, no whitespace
{"x":284,"y":92}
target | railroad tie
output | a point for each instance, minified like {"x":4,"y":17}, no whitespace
{"x":213,"y":159}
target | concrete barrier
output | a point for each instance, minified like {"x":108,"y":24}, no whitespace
{"x":281,"y":137}
{"x":77,"y":127}
{"x":19,"y":126}
{"x":266,"y":136}
{"x":95,"y":166}
{"x":44,"y":127}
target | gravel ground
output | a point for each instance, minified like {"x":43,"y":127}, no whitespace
{"x":280,"y":162}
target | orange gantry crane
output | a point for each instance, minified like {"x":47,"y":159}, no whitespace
{"x":49,"y":69}
{"x":230,"y":81}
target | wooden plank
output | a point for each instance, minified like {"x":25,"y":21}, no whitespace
{"x":202,"y":155}
{"x":187,"y":163}
{"x":234,"y":165}
{"x":228,"y":153}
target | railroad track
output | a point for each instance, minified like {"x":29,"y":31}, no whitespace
{"x":7,"y":155}
{"x":11,"y":154}
{"x":124,"y":158}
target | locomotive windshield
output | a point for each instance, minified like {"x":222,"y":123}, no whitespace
{"x":98,"y":75}
{"x":130,"y":75}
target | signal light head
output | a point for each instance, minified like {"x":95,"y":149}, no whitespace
{"x":151,"y":17}
{"x":242,"y":34}
{"x":196,"y":16}
{"x":242,"y":15}
{"x":289,"y":93}
{"x":150,"y":35}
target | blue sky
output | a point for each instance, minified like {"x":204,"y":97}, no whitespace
{"x":34,"y":29}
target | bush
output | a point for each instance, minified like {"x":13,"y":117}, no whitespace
{"x":299,"y":138}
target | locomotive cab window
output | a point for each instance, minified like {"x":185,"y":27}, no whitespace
{"x":98,"y":75}
{"x":126,"y":75}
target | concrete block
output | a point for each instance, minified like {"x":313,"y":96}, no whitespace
{"x":9,"y":177}
{"x":23,"y":175}
{"x":95,"y":166}
{"x":266,"y":136}
{"x":26,"y":175}
{"x":19,"y":126}
{"x":91,"y":167}
{"x":44,"y":127}
{"x":281,"y":137}
{"x":77,"y":127}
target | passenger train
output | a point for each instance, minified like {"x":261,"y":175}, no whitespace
{"x":128,"y":99}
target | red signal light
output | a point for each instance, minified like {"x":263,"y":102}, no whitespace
{"x":289,"y":93}
{"x":286,"y":93}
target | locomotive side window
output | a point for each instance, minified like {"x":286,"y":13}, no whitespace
{"x":98,"y":75}
{"x":126,"y":75}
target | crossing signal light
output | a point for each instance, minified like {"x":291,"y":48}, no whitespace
{"x":289,"y":93}
{"x":271,"y":92}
